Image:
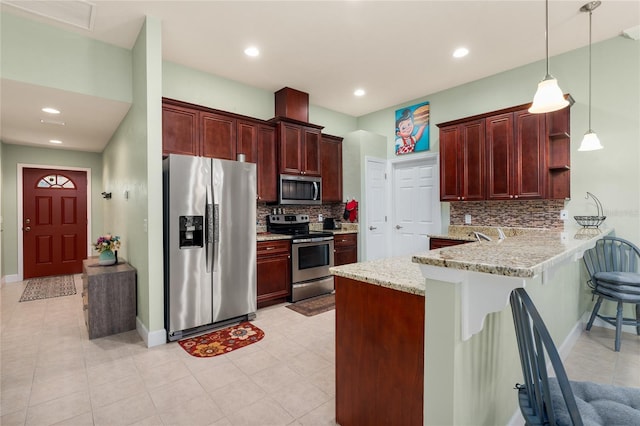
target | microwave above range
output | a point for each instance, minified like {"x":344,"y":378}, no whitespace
{"x":300,"y":189}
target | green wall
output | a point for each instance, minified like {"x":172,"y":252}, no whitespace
{"x":48,"y":56}
{"x":133,"y":164}
{"x":612,"y":174}
{"x":12,"y":155}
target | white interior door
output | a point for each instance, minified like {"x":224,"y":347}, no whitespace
{"x":375,"y":227}
{"x":415,"y":204}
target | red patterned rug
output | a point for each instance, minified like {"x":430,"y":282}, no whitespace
{"x":222,"y":341}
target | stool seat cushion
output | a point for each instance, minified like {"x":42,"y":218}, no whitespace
{"x":599,"y":404}
{"x":620,"y":285}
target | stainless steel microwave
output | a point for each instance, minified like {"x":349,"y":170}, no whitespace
{"x":300,"y":189}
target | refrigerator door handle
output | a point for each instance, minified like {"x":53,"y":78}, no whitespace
{"x":209,"y":229}
{"x":216,"y":234}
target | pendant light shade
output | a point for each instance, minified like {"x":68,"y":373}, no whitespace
{"x":548,"y":97}
{"x":590,"y":141}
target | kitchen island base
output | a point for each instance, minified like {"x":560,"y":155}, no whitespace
{"x":379,"y":355}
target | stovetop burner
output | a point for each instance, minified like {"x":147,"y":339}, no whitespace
{"x":293,"y":224}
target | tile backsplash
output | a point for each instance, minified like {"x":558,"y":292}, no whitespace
{"x":334,"y":210}
{"x":520,"y":213}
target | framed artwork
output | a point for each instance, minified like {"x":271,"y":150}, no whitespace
{"x":412,"y":129}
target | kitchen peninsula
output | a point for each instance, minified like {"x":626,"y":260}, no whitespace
{"x":471,"y":361}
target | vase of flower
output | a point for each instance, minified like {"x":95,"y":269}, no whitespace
{"x":107,"y":246}
{"x":106,"y":257}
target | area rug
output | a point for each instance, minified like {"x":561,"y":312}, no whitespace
{"x":315,"y":305}
{"x":222,"y":341}
{"x":48,"y":287}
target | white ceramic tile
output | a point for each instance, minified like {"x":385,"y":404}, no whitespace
{"x":195,"y":412}
{"x":112,"y":391}
{"x":176,"y":393}
{"x":235,"y":396}
{"x":75,"y":381}
{"x":126,"y":411}
{"x":300,"y":398}
{"x":264,"y":412}
{"x":58,"y":409}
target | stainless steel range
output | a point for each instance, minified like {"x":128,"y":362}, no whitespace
{"x":311,"y":255}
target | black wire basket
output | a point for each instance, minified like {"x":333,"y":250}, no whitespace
{"x":592,"y":221}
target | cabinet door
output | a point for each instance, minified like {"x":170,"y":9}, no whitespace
{"x":331,"y":168}
{"x":558,"y":154}
{"x":179,"y":130}
{"x":290,"y":136}
{"x":529,"y":155}
{"x":345,"y":249}
{"x":218,"y":134}
{"x":499,"y":145}
{"x":472,"y":157}
{"x":247,"y":140}
{"x":267,"y":165}
{"x":449,"y":165}
{"x":311,"y":152}
{"x":273,"y":272}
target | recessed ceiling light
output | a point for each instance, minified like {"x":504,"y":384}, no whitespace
{"x":55,"y":122}
{"x":460,"y":52}
{"x":56,"y":141}
{"x":359,"y":92}
{"x":252,"y":51}
{"x":50,"y":110}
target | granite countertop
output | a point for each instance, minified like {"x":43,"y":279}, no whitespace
{"x":397,"y":273}
{"x":524,"y":254}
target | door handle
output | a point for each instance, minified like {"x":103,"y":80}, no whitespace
{"x":28,"y":228}
{"x":398,"y":227}
{"x":371,"y":228}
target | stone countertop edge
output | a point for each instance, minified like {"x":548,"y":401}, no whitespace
{"x":525,"y":255}
{"x":272,"y":237}
{"x":396,"y":273}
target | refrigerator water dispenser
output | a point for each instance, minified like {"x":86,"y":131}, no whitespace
{"x":191,"y":231}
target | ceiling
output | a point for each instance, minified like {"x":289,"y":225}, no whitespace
{"x":396,"y":51}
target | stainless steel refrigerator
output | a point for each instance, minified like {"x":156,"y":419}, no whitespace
{"x":209,"y":243}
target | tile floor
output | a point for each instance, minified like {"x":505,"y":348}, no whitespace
{"x":52,"y":373}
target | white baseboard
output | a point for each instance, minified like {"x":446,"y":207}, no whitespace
{"x":153,"y":338}
{"x":7,"y":279}
{"x":599,"y":323}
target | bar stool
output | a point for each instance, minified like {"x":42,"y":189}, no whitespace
{"x":614,"y":270}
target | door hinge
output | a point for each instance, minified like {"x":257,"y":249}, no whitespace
{"x":385,"y":218}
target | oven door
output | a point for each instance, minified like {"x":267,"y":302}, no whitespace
{"x":311,"y":260}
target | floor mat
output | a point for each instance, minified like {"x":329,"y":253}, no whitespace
{"x":315,"y":305}
{"x":48,"y":287}
{"x":222,"y":341}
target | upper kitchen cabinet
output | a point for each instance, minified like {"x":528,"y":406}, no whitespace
{"x":505,"y":155}
{"x":462,"y":161}
{"x":267,"y":164}
{"x":218,"y":133}
{"x":299,"y":148}
{"x":179,"y":130}
{"x":515,"y":144}
{"x":331,"y":168}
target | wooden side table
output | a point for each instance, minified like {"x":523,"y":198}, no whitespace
{"x":109,"y":297}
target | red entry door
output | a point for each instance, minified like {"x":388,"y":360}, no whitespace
{"x":54,"y":223}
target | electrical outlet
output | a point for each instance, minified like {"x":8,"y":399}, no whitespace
{"x":467,"y":219}
{"x":564,"y":214}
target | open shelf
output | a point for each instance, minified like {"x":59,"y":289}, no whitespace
{"x":559,"y":135}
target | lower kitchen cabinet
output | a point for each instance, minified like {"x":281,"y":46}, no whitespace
{"x":273,"y":272}
{"x":345,"y":249}
{"x":109,"y":298}
{"x":436,"y":243}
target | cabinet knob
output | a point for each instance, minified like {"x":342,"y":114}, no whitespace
{"x":510,"y":196}
{"x":459,"y":198}
{"x":462,"y":198}
{"x":516,"y":196}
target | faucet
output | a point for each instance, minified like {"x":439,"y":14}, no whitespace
{"x":480,"y":236}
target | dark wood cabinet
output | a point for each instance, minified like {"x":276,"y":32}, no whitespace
{"x":273,"y":272}
{"x":109,"y":298}
{"x":505,"y":155}
{"x":345,"y":249}
{"x":515,"y":156}
{"x":379,"y":355}
{"x":180,"y":130}
{"x":267,"y":164}
{"x":436,"y":243}
{"x":218,"y":136}
{"x":462,"y":161}
{"x":331,"y":168}
{"x":247,"y":140}
{"x":299,"y":148}
{"x":559,"y":154}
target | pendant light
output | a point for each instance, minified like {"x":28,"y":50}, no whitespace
{"x":548,"y":97}
{"x":590,"y":141}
